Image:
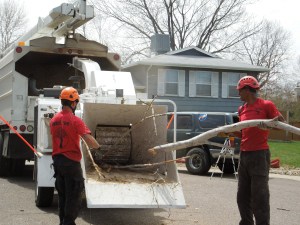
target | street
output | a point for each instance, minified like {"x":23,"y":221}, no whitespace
{"x":210,"y":201}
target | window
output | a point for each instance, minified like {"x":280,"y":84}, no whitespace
{"x":211,"y":121}
{"x":171,"y":82}
{"x":183,"y":122}
{"x":229,"y":82}
{"x":203,"y":84}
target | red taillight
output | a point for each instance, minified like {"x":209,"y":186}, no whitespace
{"x":22,"y":128}
{"x":19,"y":49}
{"x":15,"y":127}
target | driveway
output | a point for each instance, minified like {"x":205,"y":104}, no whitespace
{"x":210,"y":201}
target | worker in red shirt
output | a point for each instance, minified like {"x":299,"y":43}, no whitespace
{"x":253,"y":196}
{"x":66,"y":130}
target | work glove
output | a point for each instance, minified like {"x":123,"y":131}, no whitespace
{"x":97,"y":153}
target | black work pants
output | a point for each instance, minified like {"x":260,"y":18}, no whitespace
{"x":69,"y":185}
{"x":253,"y":196}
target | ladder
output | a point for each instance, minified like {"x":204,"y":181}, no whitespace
{"x":227,"y":149}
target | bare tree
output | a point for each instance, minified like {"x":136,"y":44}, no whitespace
{"x":297,"y":69}
{"x":12,"y":22}
{"x":212,"y":25}
{"x":268,"y":48}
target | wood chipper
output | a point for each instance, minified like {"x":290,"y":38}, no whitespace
{"x":34,"y":70}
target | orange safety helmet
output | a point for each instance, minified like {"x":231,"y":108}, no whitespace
{"x":69,"y":93}
{"x":247,"y":81}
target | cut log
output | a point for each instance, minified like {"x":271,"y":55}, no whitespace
{"x":204,"y":137}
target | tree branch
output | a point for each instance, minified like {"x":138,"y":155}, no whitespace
{"x":202,"y":138}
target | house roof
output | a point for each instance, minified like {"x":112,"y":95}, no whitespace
{"x":196,"y":58}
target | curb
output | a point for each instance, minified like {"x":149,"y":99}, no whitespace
{"x":271,"y":175}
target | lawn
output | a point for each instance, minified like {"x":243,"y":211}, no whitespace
{"x":288,"y":152}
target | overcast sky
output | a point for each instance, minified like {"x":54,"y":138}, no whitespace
{"x":285,"y":12}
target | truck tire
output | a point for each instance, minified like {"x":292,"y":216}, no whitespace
{"x":43,"y":195}
{"x":5,"y":164}
{"x":198,"y":163}
{"x":228,"y":167}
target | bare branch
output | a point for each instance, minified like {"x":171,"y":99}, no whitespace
{"x":210,"y":25}
{"x":12,"y":22}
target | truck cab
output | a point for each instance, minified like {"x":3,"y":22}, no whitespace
{"x":191,"y":124}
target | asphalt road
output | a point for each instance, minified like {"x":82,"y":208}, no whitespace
{"x":209,"y":202}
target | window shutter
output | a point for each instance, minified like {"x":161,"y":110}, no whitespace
{"x":224,"y":85}
{"x":161,"y":82}
{"x":181,"y":83}
{"x":192,"y":84}
{"x":215,"y":85}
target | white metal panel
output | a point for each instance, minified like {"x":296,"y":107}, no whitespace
{"x":133,"y":195}
{"x":45,"y":171}
{"x":20,"y":90}
{"x":161,"y":82}
{"x":224,"y":85}
{"x":181,"y":84}
{"x":30,"y":107}
{"x":215,"y":85}
{"x":112,"y":80}
{"x":7,"y":59}
{"x":46,"y":105}
{"x":6,"y":93}
{"x":6,"y":79}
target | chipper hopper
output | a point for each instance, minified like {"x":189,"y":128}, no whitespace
{"x":125,"y":137}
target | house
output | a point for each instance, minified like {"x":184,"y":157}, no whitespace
{"x":194,"y":79}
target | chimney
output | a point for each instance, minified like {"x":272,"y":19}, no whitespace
{"x":160,"y":43}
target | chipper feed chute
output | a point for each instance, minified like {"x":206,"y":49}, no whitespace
{"x":125,"y":138}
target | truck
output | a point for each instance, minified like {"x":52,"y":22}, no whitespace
{"x":203,"y":157}
{"x":35,"y":69}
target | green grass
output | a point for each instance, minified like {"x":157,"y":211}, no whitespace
{"x":288,"y":152}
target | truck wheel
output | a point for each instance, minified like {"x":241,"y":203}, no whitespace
{"x":43,"y":195}
{"x":198,"y":163}
{"x":5,"y":164}
{"x":228,"y":167}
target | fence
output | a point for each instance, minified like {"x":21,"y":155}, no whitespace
{"x":283,"y":135}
